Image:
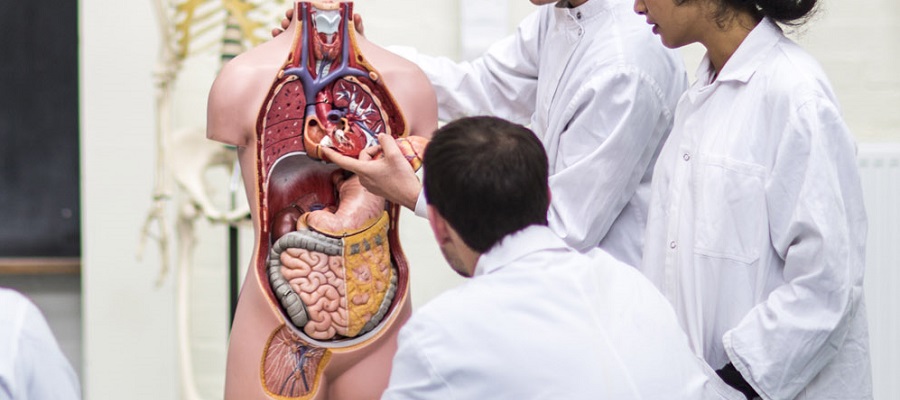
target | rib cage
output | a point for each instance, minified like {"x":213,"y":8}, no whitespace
{"x":194,"y":25}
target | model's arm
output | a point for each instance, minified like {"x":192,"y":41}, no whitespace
{"x":617,"y":120}
{"x":226,"y":114}
{"x":817,"y":225}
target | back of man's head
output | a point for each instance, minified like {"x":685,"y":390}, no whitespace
{"x":488,"y":178}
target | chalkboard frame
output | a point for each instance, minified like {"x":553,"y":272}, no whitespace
{"x":40,"y":227}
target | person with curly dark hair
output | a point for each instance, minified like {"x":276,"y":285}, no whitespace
{"x":757,"y":227}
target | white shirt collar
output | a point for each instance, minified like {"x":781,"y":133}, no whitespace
{"x":514,"y":246}
{"x":752,"y":52}
{"x":578,"y":15}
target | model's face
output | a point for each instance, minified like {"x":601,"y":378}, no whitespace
{"x":677,"y":25}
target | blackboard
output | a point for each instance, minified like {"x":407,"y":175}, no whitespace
{"x":39,"y":162}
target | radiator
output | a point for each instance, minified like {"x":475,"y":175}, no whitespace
{"x":879,"y":168}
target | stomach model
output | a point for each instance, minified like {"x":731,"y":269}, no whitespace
{"x":327,"y":247}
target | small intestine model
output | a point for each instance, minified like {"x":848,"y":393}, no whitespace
{"x":328,"y":249}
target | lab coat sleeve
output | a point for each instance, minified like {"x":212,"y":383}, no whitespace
{"x":616,"y":122}
{"x":413,"y":376}
{"x":43,"y":370}
{"x":817,"y":225}
{"x":502,"y":82}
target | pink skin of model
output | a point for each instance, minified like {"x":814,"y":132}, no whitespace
{"x":356,"y":371}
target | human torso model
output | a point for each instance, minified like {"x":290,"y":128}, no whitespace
{"x":327,"y":288}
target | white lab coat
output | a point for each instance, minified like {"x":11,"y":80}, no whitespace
{"x":540,"y":320}
{"x":31,"y":363}
{"x":757,"y":229}
{"x":598,"y":90}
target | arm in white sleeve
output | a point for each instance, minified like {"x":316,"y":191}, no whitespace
{"x":502,"y":82}
{"x":41,"y":369}
{"x":421,"y":205}
{"x":412,"y":374}
{"x":817,"y":225}
{"x":616,"y":122}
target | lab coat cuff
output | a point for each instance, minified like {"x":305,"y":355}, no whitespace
{"x":739,"y":364}
{"x":421,"y":206}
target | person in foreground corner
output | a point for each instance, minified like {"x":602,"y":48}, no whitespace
{"x":757,"y":228}
{"x":537,"y":319}
{"x":32,"y":366}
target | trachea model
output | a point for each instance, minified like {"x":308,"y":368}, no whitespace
{"x":328,"y":290}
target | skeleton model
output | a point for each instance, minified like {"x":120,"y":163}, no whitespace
{"x":188,"y":28}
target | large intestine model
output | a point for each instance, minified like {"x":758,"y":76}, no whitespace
{"x":328,"y":249}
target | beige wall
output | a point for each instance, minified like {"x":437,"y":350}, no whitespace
{"x":129,"y":326}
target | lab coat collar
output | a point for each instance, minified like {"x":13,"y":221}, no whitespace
{"x":752,"y":53}
{"x":530,"y":240}
{"x":587,"y":11}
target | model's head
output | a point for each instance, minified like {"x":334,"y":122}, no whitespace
{"x":487,"y":178}
{"x":682,"y":22}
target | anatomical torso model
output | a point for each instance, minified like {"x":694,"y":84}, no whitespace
{"x":327,"y":287}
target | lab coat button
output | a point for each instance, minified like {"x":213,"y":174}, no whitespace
{"x":578,"y":15}
{"x":686,"y":157}
{"x":673,"y":245}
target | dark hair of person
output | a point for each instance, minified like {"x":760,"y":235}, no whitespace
{"x":786,"y":12}
{"x":488,"y":178}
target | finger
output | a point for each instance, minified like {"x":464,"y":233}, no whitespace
{"x":358,"y":23}
{"x":370,"y":152}
{"x":389,"y":146}
{"x":288,"y":16}
{"x":276,"y":32}
{"x":348,"y":163}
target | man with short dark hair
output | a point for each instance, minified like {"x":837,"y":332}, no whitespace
{"x":538,"y":319}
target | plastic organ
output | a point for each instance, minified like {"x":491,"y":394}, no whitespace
{"x":328,"y":247}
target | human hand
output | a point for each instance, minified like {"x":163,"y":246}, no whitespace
{"x":285,"y":22}
{"x":289,"y":15}
{"x":389,"y":176}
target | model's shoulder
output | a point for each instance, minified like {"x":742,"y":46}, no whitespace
{"x":395,"y":69}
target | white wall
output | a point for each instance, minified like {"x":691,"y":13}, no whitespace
{"x":129,"y":327}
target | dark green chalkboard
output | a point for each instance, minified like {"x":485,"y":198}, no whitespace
{"x":39,"y":166}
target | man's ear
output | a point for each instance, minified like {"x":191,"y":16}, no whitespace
{"x":439,"y":225}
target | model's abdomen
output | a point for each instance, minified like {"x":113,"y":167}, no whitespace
{"x":328,"y":249}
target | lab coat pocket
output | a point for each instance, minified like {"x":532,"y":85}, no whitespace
{"x":731,"y":209}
